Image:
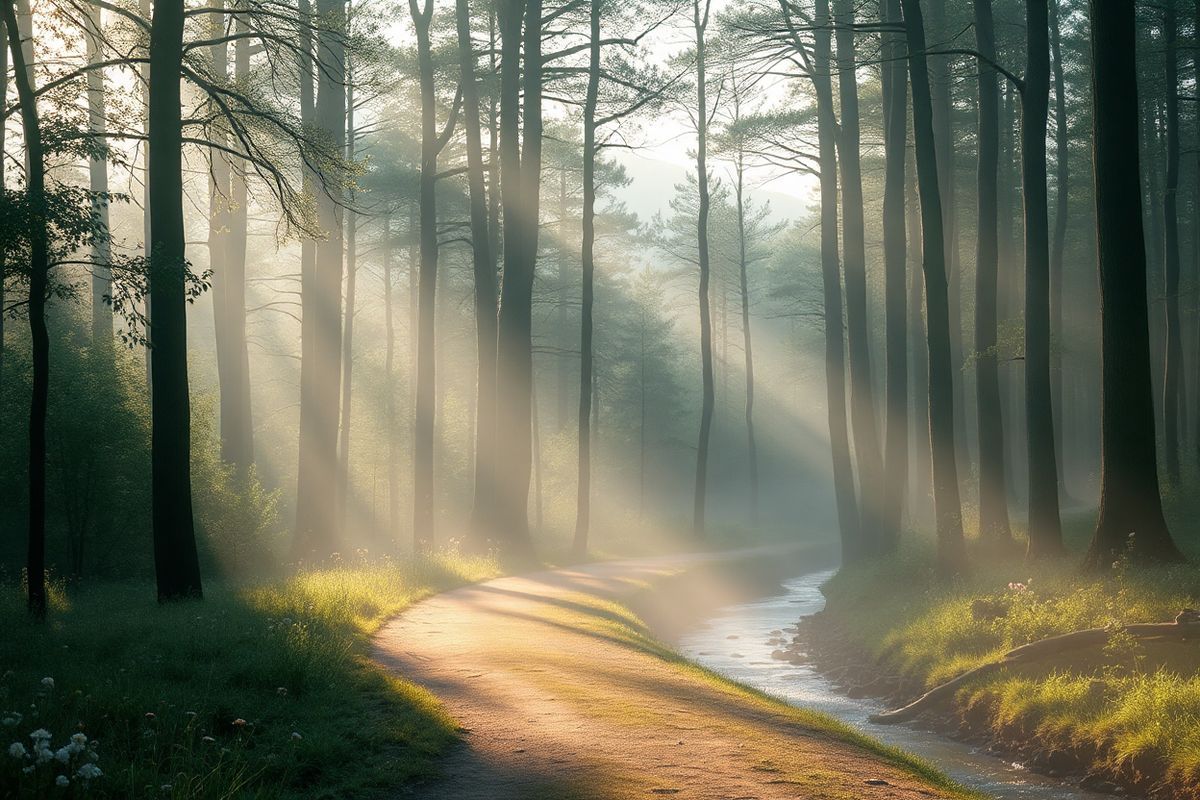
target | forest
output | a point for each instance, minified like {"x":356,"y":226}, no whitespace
{"x":599,"y":398}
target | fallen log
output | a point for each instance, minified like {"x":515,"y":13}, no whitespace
{"x":1186,"y":625}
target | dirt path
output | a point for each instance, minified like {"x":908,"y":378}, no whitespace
{"x":559,"y":697}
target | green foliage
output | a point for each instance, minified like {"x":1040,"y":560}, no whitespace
{"x":269,"y":693}
{"x":98,"y":468}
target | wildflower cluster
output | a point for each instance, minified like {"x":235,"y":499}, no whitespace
{"x":42,"y":763}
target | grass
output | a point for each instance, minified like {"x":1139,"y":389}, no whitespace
{"x":257,"y":692}
{"x":1132,"y":704}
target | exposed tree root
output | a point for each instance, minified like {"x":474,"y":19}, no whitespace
{"x":1185,"y":626}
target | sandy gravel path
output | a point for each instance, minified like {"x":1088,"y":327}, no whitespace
{"x":558,"y":697}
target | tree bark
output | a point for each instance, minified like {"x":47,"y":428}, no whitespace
{"x":1131,"y":516}
{"x":520,"y":174}
{"x":176,"y":565}
{"x":993,"y":496}
{"x":922,"y":466}
{"x":583,"y":497}
{"x":351,"y":227}
{"x":895,"y":132}
{"x":39,"y":269}
{"x":1173,"y":366}
{"x":317,"y":530}
{"x":747,"y":339}
{"x":1045,"y":527}
{"x":700,"y":18}
{"x":1058,"y":245}
{"x":102,"y":316}
{"x":854,"y":252}
{"x":951,"y":551}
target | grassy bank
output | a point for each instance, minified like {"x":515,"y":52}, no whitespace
{"x":261,"y":691}
{"x":1129,"y":711}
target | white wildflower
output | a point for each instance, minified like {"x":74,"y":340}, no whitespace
{"x":12,"y":720}
{"x":296,"y":736}
{"x":166,"y":788}
{"x":62,"y":780}
{"x":89,"y":772}
{"x":17,"y":750}
{"x":79,"y":738}
{"x":40,"y":735}
{"x":27,"y":770}
{"x":48,"y":682}
{"x":63,"y":754}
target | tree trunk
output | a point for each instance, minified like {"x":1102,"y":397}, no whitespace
{"x":1173,"y":367}
{"x":102,"y":316}
{"x":1058,"y":331}
{"x":563,"y":361}
{"x":895,"y":131}
{"x":317,"y":531}
{"x":343,"y":467}
{"x":1131,"y":516}
{"x":1045,"y":527}
{"x":854,"y":251}
{"x":699,"y":499}
{"x":993,"y":496}
{"x":849,"y":521}
{"x":951,"y":552}
{"x":3,"y":264}
{"x":389,"y":371}
{"x":747,"y":341}
{"x":39,"y":268}
{"x":484,"y":273}
{"x":922,"y":466}
{"x":583,"y":497}
{"x":423,"y":517}
{"x":176,"y":565}
{"x":520,"y":168}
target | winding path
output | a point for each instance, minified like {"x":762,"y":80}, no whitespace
{"x":559,"y":698}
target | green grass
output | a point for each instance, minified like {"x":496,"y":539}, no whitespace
{"x":261,"y":691}
{"x":1130,"y":703}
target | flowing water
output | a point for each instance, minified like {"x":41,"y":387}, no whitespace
{"x":734,"y":642}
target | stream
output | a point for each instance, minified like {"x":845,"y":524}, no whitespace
{"x":734,"y":640}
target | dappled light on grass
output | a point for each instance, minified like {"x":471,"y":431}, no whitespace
{"x":270,"y":694}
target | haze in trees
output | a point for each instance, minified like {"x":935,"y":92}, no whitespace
{"x":651,"y":317}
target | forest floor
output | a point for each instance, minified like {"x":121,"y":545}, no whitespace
{"x":561,"y":692}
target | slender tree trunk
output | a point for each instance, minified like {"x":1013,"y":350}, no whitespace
{"x":1173,"y":368}
{"x":993,"y":497}
{"x":583,"y":498}
{"x":423,"y":516}
{"x":1131,"y":516}
{"x":854,"y":250}
{"x":1058,"y":247}
{"x":144,"y":8}
{"x":895,"y":113}
{"x":219,"y":203}
{"x":1045,"y":527}
{"x":343,"y":477}
{"x":389,"y":371}
{"x":317,"y":531}
{"x":240,"y":450}
{"x":484,"y":272}
{"x":700,"y":16}
{"x":39,"y":269}
{"x":941,"y":87}
{"x":747,"y":341}
{"x":563,"y":361}
{"x":175,"y":560}
{"x":922,"y":466}
{"x":520,"y":168}
{"x":102,"y":316}
{"x":951,"y":552}
{"x":835,"y":354}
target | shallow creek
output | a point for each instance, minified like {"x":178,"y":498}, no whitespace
{"x":734,"y":642}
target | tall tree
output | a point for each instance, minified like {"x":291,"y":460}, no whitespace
{"x":1131,"y":516}
{"x":317,"y":531}
{"x":483,"y":262}
{"x":1045,"y":526}
{"x":700,"y":16}
{"x":102,"y":317}
{"x":1174,"y":366}
{"x":895,"y":134}
{"x":176,"y":565}
{"x":993,"y":496}
{"x":39,"y":275}
{"x":854,"y":252}
{"x":740,"y":203}
{"x":951,"y":551}
{"x":520,"y":145}
{"x":347,"y":382}
{"x":1058,"y":242}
